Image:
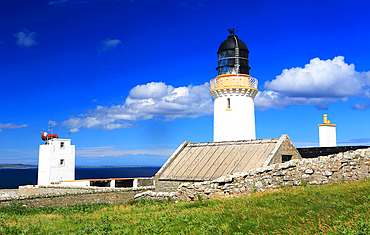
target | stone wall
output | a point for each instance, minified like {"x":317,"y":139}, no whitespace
{"x":143,"y":182}
{"x":166,"y":185}
{"x":8,"y":193}
{"x":157,"y":196}
{"x":65,"y":196}
{"x":341,"y":167}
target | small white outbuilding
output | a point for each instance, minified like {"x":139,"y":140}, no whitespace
{"x":56,"y":161}
{"x":327,"y":133}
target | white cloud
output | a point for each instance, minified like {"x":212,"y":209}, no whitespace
{"x":52,"y":123}
{"x":361,"y":106}
{"x":11,"y":126}
{"x":360,"y":141}
{"x":152,"y":100}
{"x":277,"y":100}
{"x":113,"y":152}
{"x":320,"y":83}
{"x":109,"y":44}
{"x":26,"y":38}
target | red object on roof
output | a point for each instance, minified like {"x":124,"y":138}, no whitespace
{"x":46,"y":136}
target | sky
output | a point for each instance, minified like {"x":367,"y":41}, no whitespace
{"x":130,"y":79}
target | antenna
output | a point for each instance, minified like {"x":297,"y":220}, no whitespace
{"x":68,"y":132}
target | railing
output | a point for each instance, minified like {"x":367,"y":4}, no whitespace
{"x":233,"y":80}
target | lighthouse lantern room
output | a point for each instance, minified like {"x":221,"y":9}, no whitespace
{"x":233,"y":91}
{"x":56,"y":160}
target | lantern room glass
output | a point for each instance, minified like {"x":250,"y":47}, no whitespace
{"x":227,"y":64}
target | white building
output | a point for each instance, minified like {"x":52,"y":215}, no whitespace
{"x":233,"y":91}
{"x":327,"y":133}
{"x":56,"y":161}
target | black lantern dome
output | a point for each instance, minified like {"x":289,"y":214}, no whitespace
{"x":233,"y":56}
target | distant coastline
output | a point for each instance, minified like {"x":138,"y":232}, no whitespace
{"x":23,"y":166}
{"x":17,"y":166}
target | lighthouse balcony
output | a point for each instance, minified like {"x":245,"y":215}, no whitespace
{"x":233,"y":81}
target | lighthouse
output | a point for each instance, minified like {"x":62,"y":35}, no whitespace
{"x":327,"y":133}
{"x":233,"y":91}
{"x":56,"y":160}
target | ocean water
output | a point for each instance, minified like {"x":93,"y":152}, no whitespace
{"x":12,"y":178}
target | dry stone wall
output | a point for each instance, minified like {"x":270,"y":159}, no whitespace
{"x":341,"y":167}
{"x":166,"y":186}
{"x":157,"y":196}
{"x":65,"y":196}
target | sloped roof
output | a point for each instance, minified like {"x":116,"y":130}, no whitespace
{"x":208,"y":161}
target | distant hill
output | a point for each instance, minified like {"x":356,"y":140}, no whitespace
{"x":16,"y":166}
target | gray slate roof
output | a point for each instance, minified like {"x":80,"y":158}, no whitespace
{"x":209,"y":161}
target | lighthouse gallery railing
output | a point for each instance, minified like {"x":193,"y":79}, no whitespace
{"x":233,"y":81}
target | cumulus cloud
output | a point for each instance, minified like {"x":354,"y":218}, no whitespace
{"x":277,"y":100}
{"x":320,"y":83}
{"x":25,"y":38}
{"x":11,"y":126}
{"x":52,"y":123}
{"x":109,"y":44}
{"x":361,"y":106}
{"x":152,"y":100}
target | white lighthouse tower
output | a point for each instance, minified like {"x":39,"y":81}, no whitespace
{"x":233,"y":91}
{"x":327,"y":133}
{"x":56,"y":160}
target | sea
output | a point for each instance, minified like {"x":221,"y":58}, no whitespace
{"x":13,"y":178}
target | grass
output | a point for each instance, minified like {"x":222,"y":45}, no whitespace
{"x":331,"y":209}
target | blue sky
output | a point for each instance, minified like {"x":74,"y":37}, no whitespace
{"x":130,"y":79}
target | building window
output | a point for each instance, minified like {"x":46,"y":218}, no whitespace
{"x":228,"y":104}
{"x":62,"y":162}
{"x":285,"y":158}
{"x":62,"y":145}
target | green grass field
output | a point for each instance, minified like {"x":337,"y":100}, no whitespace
{"x":331,"y":209}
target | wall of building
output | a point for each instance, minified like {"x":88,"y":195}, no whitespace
{"x":284,"y":151}
{"x":166,"y":185}
{"x":112,"y":182}
{"x":50,"y":168}
{"x":327,"y":136}
{"x":341,"y":167}
{"x":237,"y":122}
